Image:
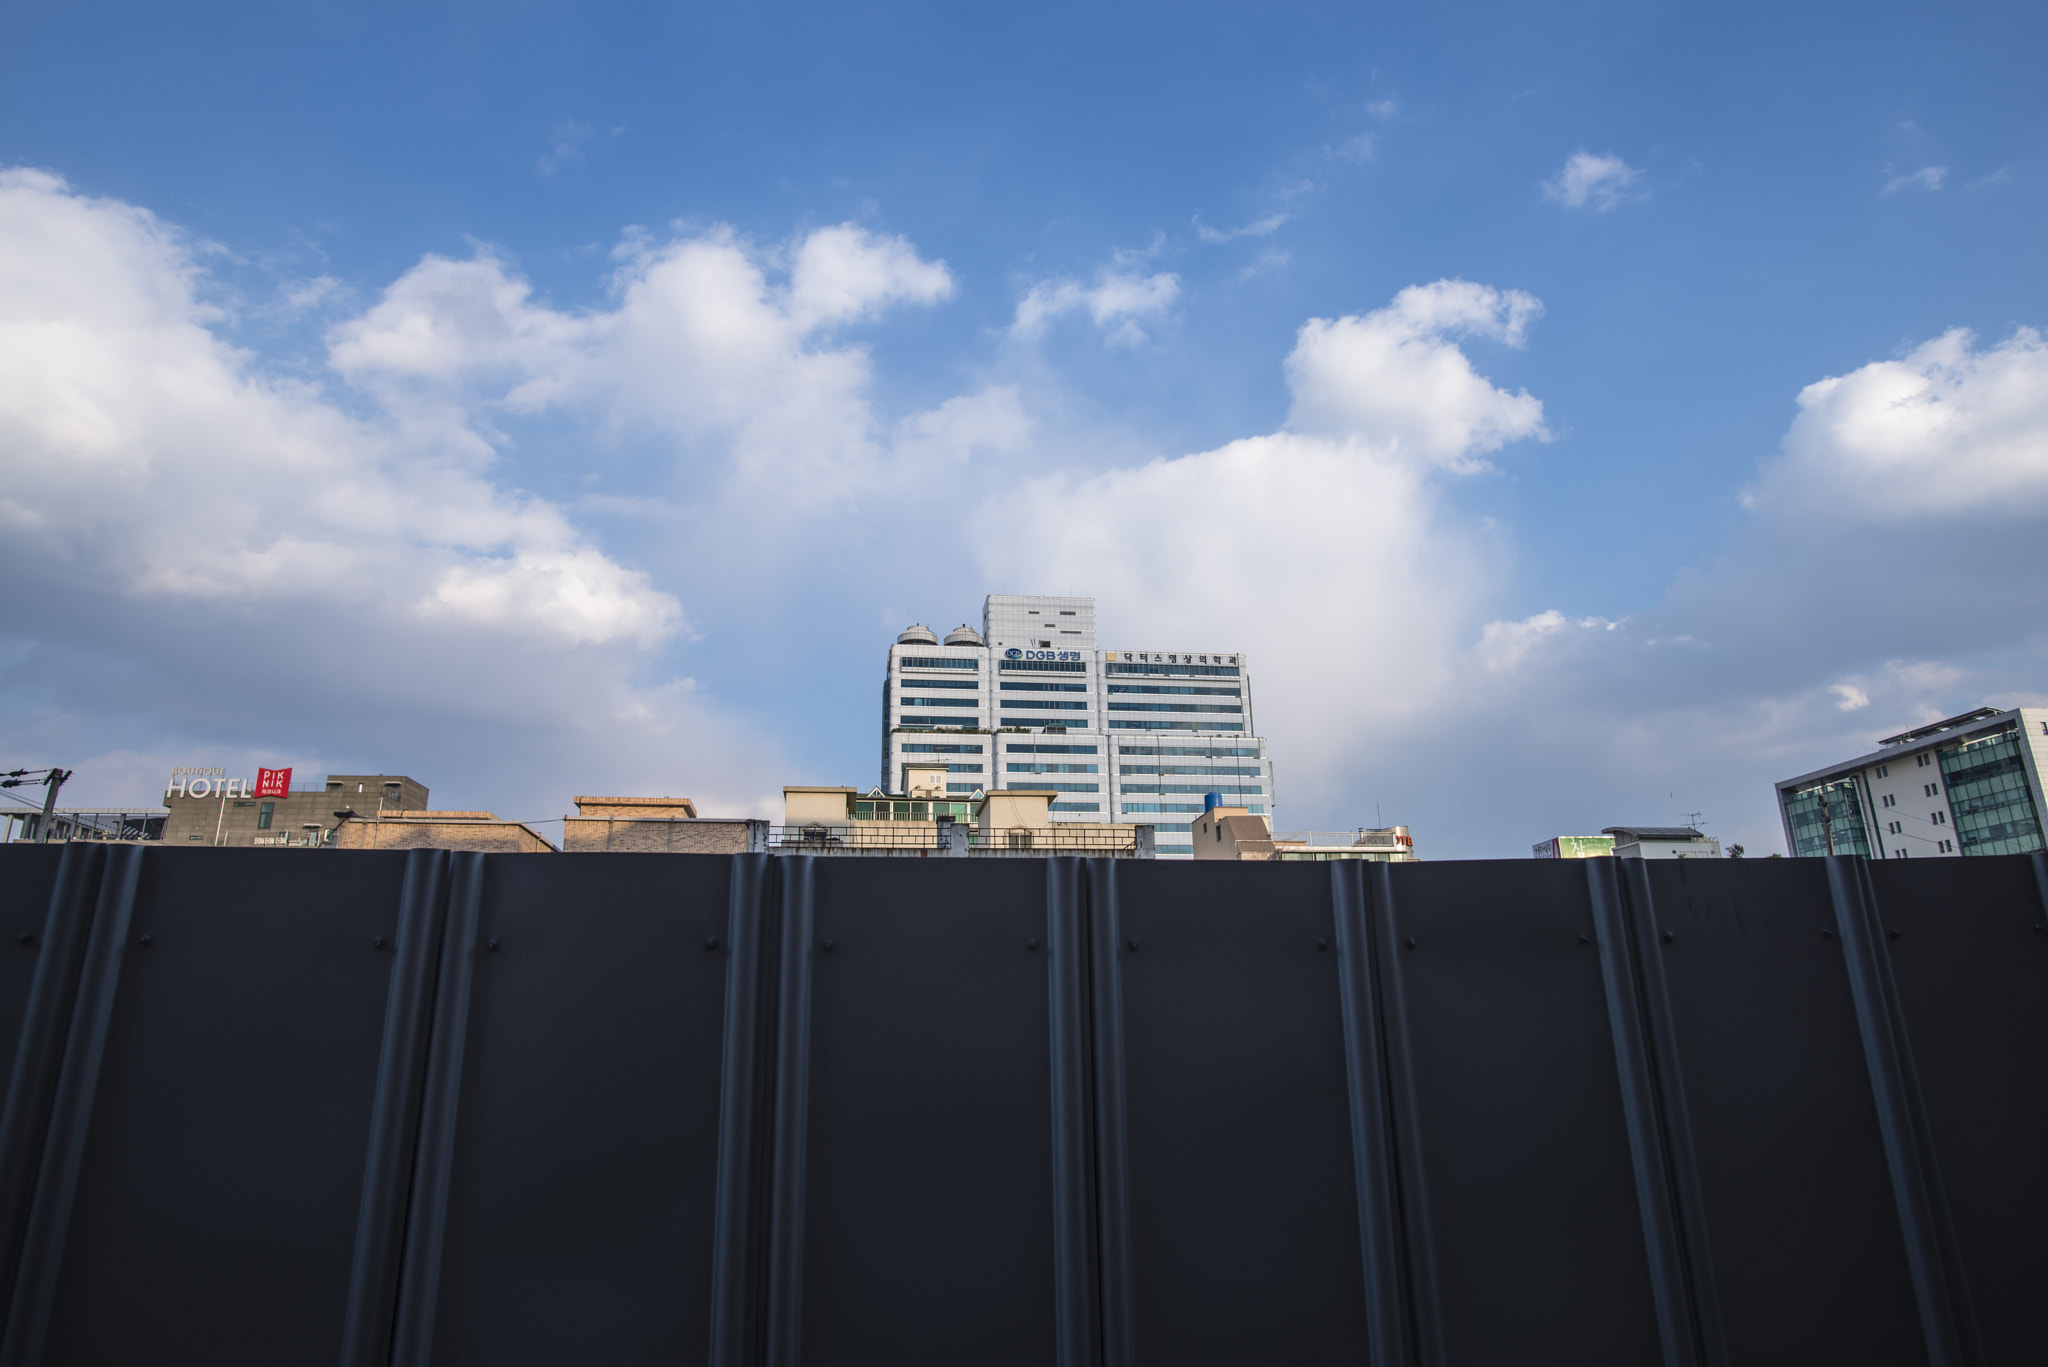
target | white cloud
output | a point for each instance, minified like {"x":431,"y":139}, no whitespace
{"x":1852,"y":697}
{"x":845,"y":273}
{"x":1594,"y":181}
{"x":1503,"y":646}
{"x":197,"y":547}
{"x":1327,"y":547}
{"x":1926,"y":178}
{"x":1116,"y":302}
{"x":1948,"y":428}
{"x":1258,"y":228}
{"x":1395,"y":379}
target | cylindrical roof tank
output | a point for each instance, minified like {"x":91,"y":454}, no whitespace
{"x":918,"y":635}
{"x":1211,"y":801}
{"x":963,"y":635}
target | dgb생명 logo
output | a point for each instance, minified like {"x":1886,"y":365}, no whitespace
{"x":1013,"y":654}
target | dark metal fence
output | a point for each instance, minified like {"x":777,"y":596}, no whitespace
{"x":413,"y":1107}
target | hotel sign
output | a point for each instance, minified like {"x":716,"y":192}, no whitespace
{"x":188,"y":781}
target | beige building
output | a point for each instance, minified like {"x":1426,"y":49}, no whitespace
{"x":926,"y":822}
{"x":1234,"y":833}
{"x":214,"y":810}
{"x":402,"y":830}
{"x":657,"y":825}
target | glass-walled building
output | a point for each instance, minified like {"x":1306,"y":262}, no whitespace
{"x":1971,"y":784}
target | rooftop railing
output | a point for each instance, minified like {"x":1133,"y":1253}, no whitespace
{"x":888,"y":837}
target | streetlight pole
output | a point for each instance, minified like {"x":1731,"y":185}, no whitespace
{"x":55,"y":780}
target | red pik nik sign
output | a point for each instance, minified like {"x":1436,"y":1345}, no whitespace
{"x":273,"y":782}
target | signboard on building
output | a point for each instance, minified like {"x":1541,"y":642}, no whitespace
{"x":273,"y":782}
{"x":192,"y":781}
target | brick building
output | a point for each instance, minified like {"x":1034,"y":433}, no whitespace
{"x":657,"y":825}
{"x":209,"y":811}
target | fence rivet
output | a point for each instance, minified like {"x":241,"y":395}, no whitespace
{"x":1322,"y":944}
{"x":1131,"y":945}
{"x":492,"y":946}
{"x":1827,"y":935}
{"x":1897,"y":933}
{"x":1031,"y":944}
{"x":711,"y":943}
{"x":828,"y":946}
{"x":1411,"y":942}
{"x":378,"y":942}
{"x":148,"y":940}
{"x":29,"y":939}
{"x":2037,"y":926}
{"x":1669,"y":937}
{"x":1585,"y":939}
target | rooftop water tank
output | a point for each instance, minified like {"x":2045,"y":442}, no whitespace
{"x":919,"y":635}
{"x":963,"y":635}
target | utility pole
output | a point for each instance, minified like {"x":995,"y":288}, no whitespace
{"x":55,"y":779}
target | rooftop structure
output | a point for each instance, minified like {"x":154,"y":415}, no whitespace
{"x":658,"y":825}
{"x":926,"y":822}
{"x":1575,"y":847}
{"x":1231,"y":832}
{"x":1661,"y":842}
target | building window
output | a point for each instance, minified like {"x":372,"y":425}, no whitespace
{"x":915,"y":684}
{"x":1192,"y":751}
{"x":1035,"y":687}
{"x":1045,"y":705}
{"x":1884,"y":771}
{"x":1180,"y":689}
{"x":936,"y":662}
{"x":1990,"y":796}
{"x":1208,"y":671}
{"x":1221,"y":707}
{"x":1046,"y":666}
{"x":1060,"y":787}
{"x":1017,"y":840}
{"x":1050,"y":749}
{"x":1826,"y":810}
{"x":1889,"y":800}
{"x":1921,"y":761}
{"x":1208,"y":770}
{"x":963,"y":768}
{"x":1122,"y":725}
{"x":962,"y":787}
{"x":1076,"y":806}
{"x":1938,"y":818}
{"x":1049,"y":768}
{"x":941,"y":750}
{"x":263,"y":815}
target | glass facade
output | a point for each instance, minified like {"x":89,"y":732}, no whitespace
{"x":1034,"y":687}
{"x":1844,"y":811}
{"x":1049,"y":749}
{"x":1220,"y":789}
{"x":898,"y":810}
{"x":942,"y":750}
{"x":1120,"y":724}
{"x":914,"y":685}
{"x":1192,"y":751}
{"x":1045,"y":704}
{"x":1046,"y":666}
{"x":1988,"y":793}
{"x":1077,"y":806}
{"x":1213,"y":671}
{"x":1208,"y":770}
{"x":1169,"y":688}
{"x":1049,"y":769}
{"x":1224,"y":707}
{"x":937,"y":662}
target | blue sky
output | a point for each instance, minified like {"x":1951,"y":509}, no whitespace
{"x":518,"y":395}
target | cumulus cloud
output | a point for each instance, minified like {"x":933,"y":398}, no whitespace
{"x":1327,"y":547}
{"x":1590,"y":180}
{"x":170,"y":510}
{"x":1116,"y":302}
{"x":1926,"y":178}
{"x":1395,"y":378}
{"x":1947,"y":428}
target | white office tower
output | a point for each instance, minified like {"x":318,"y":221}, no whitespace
{"x":1029,"y":701}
